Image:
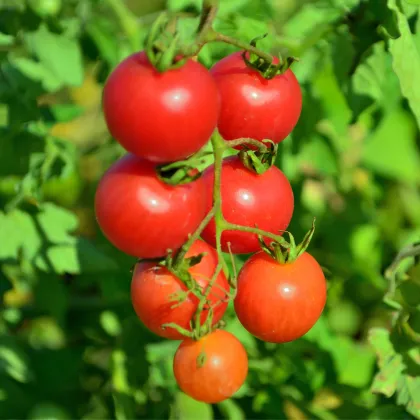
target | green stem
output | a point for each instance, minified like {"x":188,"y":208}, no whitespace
{"x":219,"y":148}
{"x":210,"y":35}
{"x":278,"y":238}
{"x":243,"y":45}
{"x":199,"y":331}
{"x":208,"y":15}
{"x":184,"y":249}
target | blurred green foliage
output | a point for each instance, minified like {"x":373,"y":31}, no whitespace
{"x":70,"y":344}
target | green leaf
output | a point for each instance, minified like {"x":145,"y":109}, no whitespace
{"x":110,"y":323}
{"x":390,"y":363}
{"x":160,"y":356}
{"x":186,"y":408}
{"x":231,"y":410}
{"x":410,"y":292}
{"x":408,"y":394}
{"x":375,"y":78}
{"x":13,"y":361}
{"x":354,"y":362}
{"x":45,"y":333}
{"x":337,"y":113}
{"x":58,"y":54}
{"x":314,"y":19}
{"x":124,"y":403}
{"x":387,"y":412}
{"x":101,"y":32}
{"x":56,"y":224}
{"x":48,"y":411}
{"x":406,"y":60}
{"x":248,"y":340}
{"x":36,"y":71}
{"x":6,"y":39}
{"x":391,"y":149}
{"x":21,"y":233}
{"x":317,"y":154}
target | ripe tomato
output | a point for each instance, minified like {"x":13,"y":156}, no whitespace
{"x":280,"y":302}
{"x":141,"y":215}
{"x":152,"y":287}
{"x":211,"y":369}
{"x":162,"y":117}
{"x":253,"y":106}
{"x":251,"y":200}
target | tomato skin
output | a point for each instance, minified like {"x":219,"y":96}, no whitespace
{"x":250,"y":200}
{"x":152,"y":286}
{"x":255,"y":107}
{"x":280,"y":302}
{"x":224,"y":370}
{"x":162,"y":117}
{"x":141,"y":215}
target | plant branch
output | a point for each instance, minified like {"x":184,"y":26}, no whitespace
{"x":208,"y":15}
{"x":219,"y":148}
{"x":278,"y":238}
{"x":184,"y":249}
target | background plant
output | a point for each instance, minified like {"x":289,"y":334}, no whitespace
{"x":70,"y":344}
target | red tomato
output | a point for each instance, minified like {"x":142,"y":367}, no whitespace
{"x":153,"y":286}
{"x":141,"y":215}
{"x":253,"y":106}
{"x":162,"y":117}
{"x":251,"y":200}
{"x":280,"y":302}
{"x":211,"y":369}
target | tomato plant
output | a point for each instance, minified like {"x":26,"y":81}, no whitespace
{"x":162,"y":117}
{"x":76,"y":341}
{"x":252,"y":106}
{"x":154,"y":293}
{"x":211,"y":369}
{"x":280,"y":302}
{"x":250,"y":200}
{"x":141,"y":215}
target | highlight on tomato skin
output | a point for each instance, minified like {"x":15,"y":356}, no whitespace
{"x":251,"y":200}
{"x":140,"y":214}
{"x":279,"y":303}
{"x":153,"y":289}
{"x":211,"y":369}
{"x":252,"y":106}
{"x":162,"y":117}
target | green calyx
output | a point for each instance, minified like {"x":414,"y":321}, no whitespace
{"x":163,"y":44}
{"x":285,"y":252}
{"x":267,"y":69}
{"x":261,"y":160}
{"x":180,"y":269}
{"x":184,"y":171}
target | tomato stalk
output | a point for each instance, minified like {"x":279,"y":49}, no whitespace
{"x":206,"y":34}
{"x":219,"y":147}
{"x":184,"y":249}
{"x":277,"y":238}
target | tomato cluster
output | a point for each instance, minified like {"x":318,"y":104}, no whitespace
{"x":162,"y":117}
